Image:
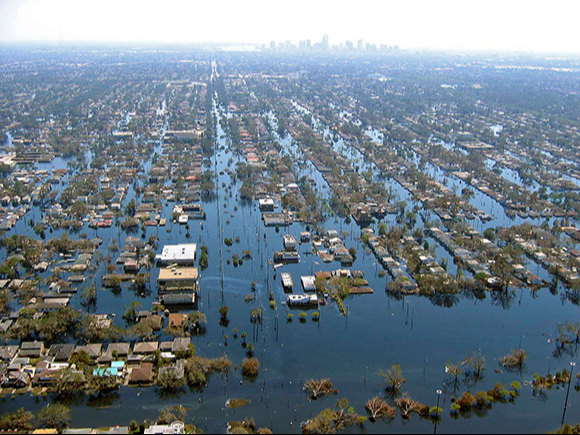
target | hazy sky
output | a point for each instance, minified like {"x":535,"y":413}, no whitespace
{"x":547,"y":25}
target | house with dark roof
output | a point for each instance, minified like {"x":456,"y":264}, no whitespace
{"x":31,"y":349}
{"x":14,"y":379}
{"x":61,"y":352}
{"x":46,"y":377}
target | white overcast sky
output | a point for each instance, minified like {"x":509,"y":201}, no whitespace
{"x":541,"y":26}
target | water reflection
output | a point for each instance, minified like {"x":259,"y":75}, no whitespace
{"x":103,"y":400}
{"x":503,"y":298}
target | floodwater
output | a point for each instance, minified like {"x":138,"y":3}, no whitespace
{"x":378,"y":332}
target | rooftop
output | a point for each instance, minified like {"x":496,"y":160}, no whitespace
{"x":178,"y":274}
{"x":182,"y":253}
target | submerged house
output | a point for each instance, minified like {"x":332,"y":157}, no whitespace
{"x":178,"y":280}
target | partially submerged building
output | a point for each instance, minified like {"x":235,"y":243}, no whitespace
{"x":183,"y":255}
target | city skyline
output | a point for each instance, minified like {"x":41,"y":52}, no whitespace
{"x":443,"y":25}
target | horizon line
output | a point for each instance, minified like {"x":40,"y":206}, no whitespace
{"x":265,"y":47}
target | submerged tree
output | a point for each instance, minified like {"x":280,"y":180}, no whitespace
{"x":394,"y":379}
{"x":454,"y":371}
{"x":378,"y":408}
{"x":19,"y":421}
{"x":330,"y":421}
{"x":515,"y":360}
{"x":408,"y":406}
{"x":317,"y":388}
{"x":54,"y":416}
{"x":170,"y":379}
{"x":250,"y":367}
{"x":477,"y":364}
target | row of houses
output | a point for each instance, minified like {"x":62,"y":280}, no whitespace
{"x":30,"y":364}
{"x":387,"y":260}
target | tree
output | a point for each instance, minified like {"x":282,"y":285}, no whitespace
{"x":19,"y":421}
{"x":383,"y":229}
{"x":408,"y":406}
{"x":482,"y":399}
{"x":197,"y":320}
{"x":569,"y":430}
{"x":394,"y":379}
{"x":70,"y":381}
{"x":58,"y":323}
{"x":89,"y":296}
{"x":102,"y":384}
{"x":4,"y":301}
{"x":453,"y":371}
{"x":256,"y":315}
{"x":197,"y":369}
{"x":142,"y":330}
{"x":54,"y":416}
{"x":378,"y":408}
{"x":316,"y":388}
{"x":330,"y":421}
{"x":140,"y":284}
{"x":477,"y":364}
{"x":203,"y":259}
{"x":467,"y":401}
{"x":224,"y":311}
{"x":515,"y":360}
{"x":130,"y":315}
{"x":79,"y":209}
{"x":170,"y":379}
{"x":131,"y":208}
{"x":134,"y":427}
{"x":166,"y":416}
{"x":250,"y":367}
{"x":489,"y":234}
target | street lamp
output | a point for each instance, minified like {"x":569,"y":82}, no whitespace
{"x":572,"y":365}
{"x":439,"y":392}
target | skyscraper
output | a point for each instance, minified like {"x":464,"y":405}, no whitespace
{"x":325,"y":41}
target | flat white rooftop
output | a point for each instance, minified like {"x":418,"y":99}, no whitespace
{"x":180,"y":254}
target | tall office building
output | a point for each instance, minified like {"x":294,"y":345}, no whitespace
{"x":325,"y":41}
{"x":273,"y":45}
